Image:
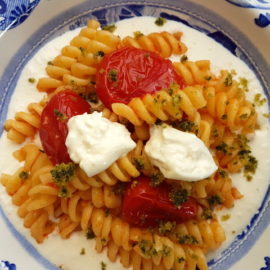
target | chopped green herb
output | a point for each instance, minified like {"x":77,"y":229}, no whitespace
{"x":119,"y":188}
{"x":90,"y":233}
{"x":266,"y":115}
{"x":24,"y":175}
{"x":223,"y":147}
{"x":187,"y":240}
{"x":91,"y":97}
{"x":107,"y":212}
{"x":259,"y":100}
{"x":32,"y":80}
{"x":60,"y":116}
{"x":82,"y":251}
{"x":222,"y":173}
{"x":184,"y":125}
{"x":83,"y":50}
{"x":112,"y":75}
{"x":176,"y":100}
{"x":183,"y":58}
{"x":214,"y":200}
{"x":208,"y":78}
{"x":111,"y":28}
{"x":137,"y":34}
{"x":251,"y":165}
{"x":225,"y":217}
{"x":103,"y":265}
{"x":180,"y":259}
{"x":244,"y":83}
{"x":224,"y":116}
{"x":243,"y":116}
{"x":62,"y":173}
{"x":215,"y":132}
{"x":243,"y":153}
{"x":160,"y":21}
{"x":156,"y":178}
{"x":242,"y":141}
{"x":166,"y":250}
{"x":228,"y":80}
{"x":99,"y":54}
{"x":165,"y":227}
{"x":147,"y":248}
{"x":63,"y":192}
{"x":146,"y":55}
{"x":178,"y":196}
{"x":170,"y":91}
{"x":104,"y":241}
{"x":139,"y":163}
{"x":207,"y":213}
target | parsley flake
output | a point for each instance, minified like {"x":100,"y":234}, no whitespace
{"x":24,"y":175}
{"x":178,"y":196}
{"x":187,"y":240}
{"x":160,"y":21}
{"x":112,"y":75}
{"x":103,"y":265}
{"x":111,"y":28}
{"x":32,"y":80}
{"x":228,"y":80}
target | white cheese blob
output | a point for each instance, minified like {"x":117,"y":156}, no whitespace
{"x":179,"y":155}
{"x":95,"y":142}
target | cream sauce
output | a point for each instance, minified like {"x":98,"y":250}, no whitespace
{"x":67,"y":252}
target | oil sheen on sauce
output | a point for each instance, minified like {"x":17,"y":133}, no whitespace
{"x":67,"y":252}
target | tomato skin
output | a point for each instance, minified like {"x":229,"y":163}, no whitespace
{"x":144,"y":205}
{"x":138,"y":72}
{"x":53,"y":129}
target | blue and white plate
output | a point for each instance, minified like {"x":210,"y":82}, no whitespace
{"x":241,"y":26}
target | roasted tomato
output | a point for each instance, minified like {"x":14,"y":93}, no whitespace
{"x":53,"y":129}
{"x":144,"y":205}
{"x":129,"y":72}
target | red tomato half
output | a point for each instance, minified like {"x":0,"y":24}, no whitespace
{"x":144,"y":205}
{"x":53,"y":129}
{"x":129,"y":72}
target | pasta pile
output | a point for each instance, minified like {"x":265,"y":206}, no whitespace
{"x":212,"y":107}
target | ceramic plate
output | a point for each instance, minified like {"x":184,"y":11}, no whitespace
{"x":241,"y":26}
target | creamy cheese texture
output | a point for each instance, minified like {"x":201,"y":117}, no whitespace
{"x":179,"y":155}
{"x":95,"y":142}
{"x":67,"y":252}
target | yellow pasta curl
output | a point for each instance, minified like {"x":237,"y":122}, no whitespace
{"x":163,"y":105}
{"x":25,"y":124}
{"x":206,"y":234}
{"x":78,"y":61}
{"x":231,"y":108}
{"x":165,"y":44}
{"x":193,"y":73}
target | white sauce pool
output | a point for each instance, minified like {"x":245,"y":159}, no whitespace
{"x":67,"y":252}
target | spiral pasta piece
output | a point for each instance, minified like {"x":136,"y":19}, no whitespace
{"x":231,"y":108}
{"x":118,"y":235}
{"x":163,"y":105}
{"x":206,"y":234}
{"x":77,"y":63}
{"x":25,"y":124}
{"x":165,"y":44}
{"x":193,"y":73}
